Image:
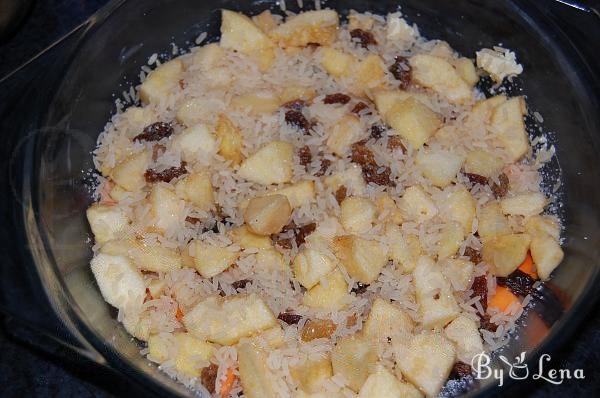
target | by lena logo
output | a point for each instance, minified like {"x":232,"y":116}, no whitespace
{"x":518,"y":370}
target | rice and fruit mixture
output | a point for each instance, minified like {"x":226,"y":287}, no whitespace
{"x":311,"y":208}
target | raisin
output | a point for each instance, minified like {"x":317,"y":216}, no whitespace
{"x":337,"y":98}
{"x":380,"y":175}
{"x":317,"y":329}
{"x":284,"y":243}
{"x":394,"y":142}
{"x":359,"y":107}
{"x":305,"y":156}
{"x":340,"y":194}
{"x":487,"y":324}
{"x":289,"y":317}
{"x":518,"y":282}
{"x":360,"y":288}
{"x":155,"y":132}
{"x":302,"y":232}
{"x":500,"y":190}
{"x":241,"y":284}
{"x":166,"y":175}
{"x":158,"y":150}
{"x":297,"y":119}
{"x":364,"y":38}
{"x":313,"y":44}
{"x":325,"y":163}
{"x":182,"y":84}
{"x":377,"y":131}
{"x":474,"y":255}
{"x":295,"y":105}
{"x":401,"y":71}
{"x":476,"y":178}
{"x":208,"y":377}
{"x":480,"y":288}
{"x":361,"y":154}
{"x":351,"y":320}
{"x":193,"y":220}
{"x":460,"y":370}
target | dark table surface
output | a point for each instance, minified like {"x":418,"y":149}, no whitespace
{"x":28,"y":367}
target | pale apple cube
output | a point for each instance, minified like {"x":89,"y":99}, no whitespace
{"x":310,"y":266}
{"x":509,"y":127}
{"x":459,"y":273}
{"x":267,"y":215}
{"x":440,"y":76}
{"x":311,"y":374}
{"x":464,"y":333}
{"x":386,"y":206}
{"x":386,"y":320}
{"x":404,"y":250}
{"x":386,"y":99}
{"x":525,"y":204}
{"x":330,"y":296}
{"x":426,"y":361}
{"x":413,"y":121}
{"x":197,"y":189}
{"x":258,"y":381}
{"x":129,"y":174}
{"x":344,"y":133}
{"x":155,"y":258}
{"x":165,"y":207}
{"x":353,"y":357}
{"x":272,"y":164}
{"x":119,"y":281}
{"x":437,"y":304}
{"x":540,"y":225}
{"x":466,"y":70}
{"x":196,"y":141}
{"x":192,"y":111}
{"x":363,"y":259}
{"x":383,"y":384}
{"x":398,"y":30}
{"x":158,"y":347}
{"x":156,"y":287}
{"x":547,"y":255}
{"x":458,"y":205}
{"x":248,"y":240}
{"x":357,"y":214}
{"x":299,"y":194}
{"x":482,"y":110}
{"x":483,"y":163}
{"x":137,"y":119}
{"x":239,"y":33}
{"x":450,"y":238}
{"x":416,"y":205}
{"x":439,"y":166}
{"x":231,"y":138}
{"x":307,"y":27}
{"x":492,"y":222}
{"x":505,"y":253}
{"x":211,"y":260}
{"x":369,"y":73}
{"x":106,"y":222}
{"x":257,"y":103}
{"x":161,"y":82}
{"x":193,"y":354}
{"x":271,"y":259}
{"x":295,"y":92}
{"x":226,"y":320}
{"x":270,"y":339}
{"x":335,"y":62}
{"x":498,"y":64}
{"x":265,"y":21}
{"x":351,"y":178}
{"x":208,"y":56}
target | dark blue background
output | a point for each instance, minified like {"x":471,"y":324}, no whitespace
{"x":32,"y":365}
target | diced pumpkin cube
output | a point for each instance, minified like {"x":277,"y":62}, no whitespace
{"x":345,"y":132}
{"x":413,"y":121}
{"x":258,"y":381}
{"x":353,"y":357}
{"x":525,"y":204}
{"x":357,"y":214}
{"x":506,"y":252}
{"x":440,"y":76}
{"x":129,"y":173}
{"x":416,"y":205}
{"x":492,"y":222}
{"x":330,"y":296}
{"x":363,"y":259}
{"x":231,"y":143}
{"x":508,"y":125}
{"x":311,"y":374}
{"x":106,"y":222}
{"x":318,"y":27}
{"x":272,"y":164}
{"x":386,"y":320}
{"x":439,"y":166}
{"x":160,"y":82}
{"x":464,"y":333}
{"x":335,"y":62}
{"x":211,"y":260}
{"x":310,"y":266}
{"x":197,"y":188}
{"x":547,"y":255}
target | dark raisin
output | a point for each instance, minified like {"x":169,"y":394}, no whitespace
{"x":166,"y":175}
{"x":380,"y":175}
{"x":192,"y":220}
{"x":158,"y":150}
{"x":208,"y":377}
{"x":476,"y":178}
{"x":325,"y":163}
{"x":340,"y":194}
{"x":302,"y":232}
{"x":155,"y":132}
{"x":436,"y":296}
{"x":401,"y":71}
{"x":337,"y":98}
{"x":240,"y":284}
{"x":487,"y":324}
{"x":296,"y":119}
{"x":284,"y":243}
{"x":500,"y":190}
{"x":361,"y":154}
{"x":377,"y":131}
{"x":359,"y":107}
{"x":295,"y":105}
{"x":518,"y":282}
{"x":289,"y":317}
{"x":313,"y":44}
{"x":394,"y":142}
{"x":460,"y":370}
{"x":360,"y":288}
{"x":182,"y":84}
{"x":364,"y":38}
{"x":480,"y":288}
{"x":305,"y":156}
{"x":474,"y":255}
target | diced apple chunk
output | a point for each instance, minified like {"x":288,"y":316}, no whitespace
{"x":482,"y":110}
{"x":129,"y":174}
{"x":345,"y":132}
{"x":459,"y":273}
{"x":247,"y":239}
{"x":208,"y":56}
{"x":363,"y":259}
{"x":137,"y":118}
{"x":525,"y":204}
{"x":404,"y":250}
{"x":271,"y":260}
{"x":295,"y":92}
{"x":458,"y":205}
{"x":483,"y":163}
{"x":257,"y":102}
{"x":388,"y":207}
{"x":197,"y":188}
{"x":492,"y":222}
{"x":357,"y":214}
{"x":383,"y":384}
{"x":310,"y":266}
{"x":231,"y":143}
{"x":272,"y":164}
{"x":426,"y":361}
{"x":165,"y":207}
{"x":267,"y":215}
{"x":466,"y":70}
{"x":318,"y":27}
{"x":540,"y":225}
{"x":311,"y":374}
{"x":330,"y":296}
{"x":508,"y":125}
{"x":464,"y":333}
{"x":369,"y":73}
{"x":160,"y":82}
{"x":437,"y":304}
{"x":146,"y":257}
{"x":506,"y":252}
{"x":353,"y":357}
{"x":547,"y":255}
{"x":265,"y":21}
{"x":258,"y":381}
{"x":298,"y":194}
{"x":337,"y":63}
{"x":440,"y":76}
{"x":439,"y":166}
{"x":386,"y":320}
{"x":413,"y":121}
{"x":119,"y":281}
{"x":158,"y":347}
{"x":498,"y":64}
{"x":210,"y":260}
{"x":107,"y":222}
{"x":416,"y":205}
{"x":351,"y":178}
{"x":226,"y":320}
{"x":192,"y":112}
{"x":451,"y":237}
{"x":193,"y":354}
{"x":398,"y":30}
